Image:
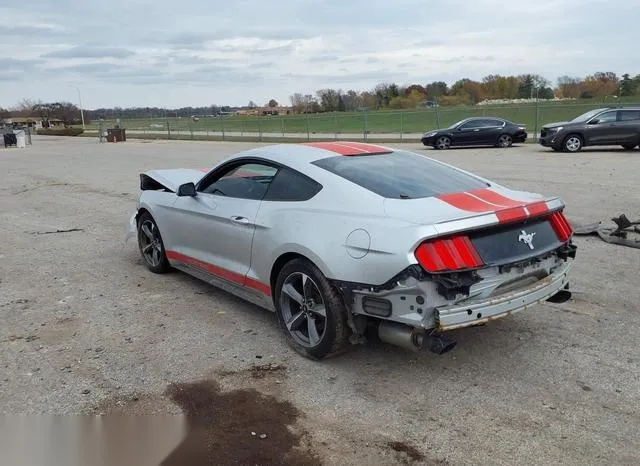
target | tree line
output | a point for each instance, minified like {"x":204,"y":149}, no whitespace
{"x":383,"y":96}
{"x":467,"y":92}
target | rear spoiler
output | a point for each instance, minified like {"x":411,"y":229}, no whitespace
{"x":535,"y":209}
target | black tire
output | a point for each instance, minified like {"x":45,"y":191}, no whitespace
{"x":155,"y":260}
{"x":572,"y":143}
{"x":629,"y":146}
{"x":504,"y":141}
{"x":334,"y":337}
{"x":442,"y":143}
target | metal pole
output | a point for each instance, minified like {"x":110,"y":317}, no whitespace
{"x":81,"y":110}
{"x":335,"y":127}
{"x":260,"y":128}
{"x":401,"y":124}
{"x":437,"y":114}
{"x":366,"y":112}
{"x":535,"y":130}
{"x":222,"y":123}
{"x":308,"y":133}
{"x":282,"y":120}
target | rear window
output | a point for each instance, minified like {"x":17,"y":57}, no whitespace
{"x":400,"y":175}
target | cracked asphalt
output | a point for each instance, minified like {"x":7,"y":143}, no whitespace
{"x":85,"y":326}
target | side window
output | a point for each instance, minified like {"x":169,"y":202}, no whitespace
{"x":630,"y":115}
{"x":491,"y":123}
{"x":472,"y":124}
{"x":246,"y":181}
{"x":289,"y":185}
{"x":606,"y":117}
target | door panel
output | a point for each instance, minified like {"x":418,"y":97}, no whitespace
{"x":216,"y":230}
{"x":604,"y":131}
{"x":216,"y":226}
{"x":628,"y":127}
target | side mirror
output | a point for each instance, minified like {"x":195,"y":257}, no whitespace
{"x":187,"y":189}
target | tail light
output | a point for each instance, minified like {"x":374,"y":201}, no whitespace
{"x":561,"y":226}
{"x":448,"y":254}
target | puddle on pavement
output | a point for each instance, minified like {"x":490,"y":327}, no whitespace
{"x":237,"y":427}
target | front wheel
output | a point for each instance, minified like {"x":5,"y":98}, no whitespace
{"x":443,"y":143}
{"x":572,"y":143}
{"x":310,"y":311}
{"x":151,"y":245}
{"x":629,"y":146}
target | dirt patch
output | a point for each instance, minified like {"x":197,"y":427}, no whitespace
{"x":409,"y":452}
{"x":237,"y":427}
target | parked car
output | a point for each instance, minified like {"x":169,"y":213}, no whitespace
{"x":476,"y":131}
{"x":340,"y":239}
{"x":599,"y":127}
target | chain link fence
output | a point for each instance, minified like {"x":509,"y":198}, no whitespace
{"x":363,"y":125}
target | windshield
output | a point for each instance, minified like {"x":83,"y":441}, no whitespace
{"x":588,"y":115}
{"x":401,"y":175}
{"x":458,"y":123}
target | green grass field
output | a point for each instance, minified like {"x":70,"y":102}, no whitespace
{"x":374,"y":122}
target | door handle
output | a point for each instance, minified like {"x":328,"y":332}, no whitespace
{"x":239,"y":219}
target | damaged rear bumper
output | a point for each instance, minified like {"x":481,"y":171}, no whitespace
{"x":470,"y":313}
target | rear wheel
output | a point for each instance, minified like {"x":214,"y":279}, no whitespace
{"x":151,"y":245}
{"x":572,"y":143}
{"x":442,"y":143}
{"x":505,"y":140}
{"x":629,"y":146}
{"x":310,"y":311}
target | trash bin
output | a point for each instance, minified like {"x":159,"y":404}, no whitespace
{"x":10,"y":140}
{"x":21,"y":139}
{"x":116,"y":135}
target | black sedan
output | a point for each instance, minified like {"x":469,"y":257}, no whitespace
{"x":476,"y":131}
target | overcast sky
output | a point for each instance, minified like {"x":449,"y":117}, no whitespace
{"x":201,"y":52}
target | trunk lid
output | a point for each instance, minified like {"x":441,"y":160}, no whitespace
{"x":504,"y":226}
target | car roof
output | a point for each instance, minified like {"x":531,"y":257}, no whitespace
{"x":301,"y":155}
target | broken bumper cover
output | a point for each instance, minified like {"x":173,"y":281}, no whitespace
{"x":130,"y":229}
{"x":470,"y":313}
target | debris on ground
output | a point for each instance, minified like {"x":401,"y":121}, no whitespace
{"x":625,"y":233}
{"x":51,"y":232}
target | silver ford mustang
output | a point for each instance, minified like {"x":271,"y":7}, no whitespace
{"x":346,"y":240}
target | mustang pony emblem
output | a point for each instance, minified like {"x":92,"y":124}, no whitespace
{"x":527,"y":238}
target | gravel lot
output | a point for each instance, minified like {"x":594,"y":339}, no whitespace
{"x":86,"y":328}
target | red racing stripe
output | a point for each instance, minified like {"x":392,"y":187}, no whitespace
{"x":506,"y":209}
{"x":495,"y":198}
{"x":220,"y":272}
{"x":350,"y":148}
{"x":464,"y":201}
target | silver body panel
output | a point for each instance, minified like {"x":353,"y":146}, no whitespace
{"x":351,"y":234}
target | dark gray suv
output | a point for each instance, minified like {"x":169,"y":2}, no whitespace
{"x":600,"y":127}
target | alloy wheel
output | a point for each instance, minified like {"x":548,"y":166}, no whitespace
{"x":573,"y":143}
{"x":303,"y":309}
{"x":150,"y":243}
{"x":504,"y":140}
{"x":443,"y":143}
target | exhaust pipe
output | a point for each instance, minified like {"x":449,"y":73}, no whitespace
{"x":408,"y":338}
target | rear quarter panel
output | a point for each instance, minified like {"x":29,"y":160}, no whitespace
{"x":318,"y":229}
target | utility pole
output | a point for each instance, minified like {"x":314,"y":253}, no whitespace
{"x":81,"y":110}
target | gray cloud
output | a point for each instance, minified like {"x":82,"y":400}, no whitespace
{"x":31,"y":31}
{"x":350,"y":44}
{"x":90,"y":52}
{"x":323,"y":58}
